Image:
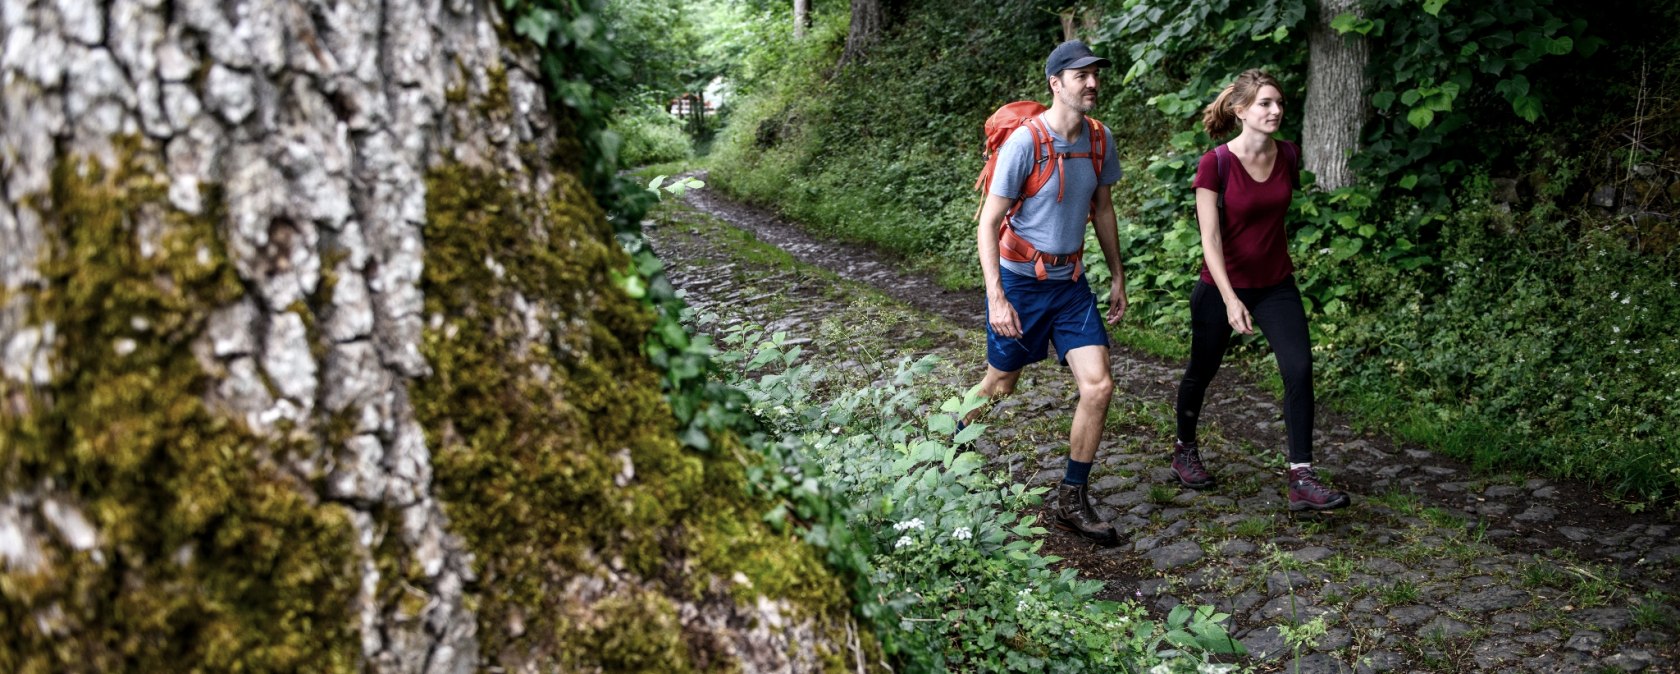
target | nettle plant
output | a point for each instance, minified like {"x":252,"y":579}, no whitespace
{"x":953,"y":575}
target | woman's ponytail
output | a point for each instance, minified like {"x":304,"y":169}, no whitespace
{"x":1220,"y":118}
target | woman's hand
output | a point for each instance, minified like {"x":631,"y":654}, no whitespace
{"x":1237,"y":315}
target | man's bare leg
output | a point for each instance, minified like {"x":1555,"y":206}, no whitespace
{"x":1096,"y":387}
{"x":996,"y":383}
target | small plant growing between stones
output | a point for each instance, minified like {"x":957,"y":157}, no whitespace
{"x":1253,"y":527}
{"x":1654,"y":611}
{"x":1161,"y":494}
{"x":1403,"y":592}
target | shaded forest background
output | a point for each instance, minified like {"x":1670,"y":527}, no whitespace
{"x":1495,"y":277}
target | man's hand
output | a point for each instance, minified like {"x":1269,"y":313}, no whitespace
{"x":1004,"y":321}
{"x":1116,"y":301}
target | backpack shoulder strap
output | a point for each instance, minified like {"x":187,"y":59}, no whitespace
{"x":1294,"y":152}
{"x":1043,"y":153}
{"x":1099,"y":145}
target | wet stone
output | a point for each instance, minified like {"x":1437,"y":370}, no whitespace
{"x":1317,"y":663}
{"x":1585,"y":641}
{"x":1379,"y":661}
{"x":1492,"y":599}
{"x":1491,"y":653}
{"x":1501,"y":491}
{"x":1521,"y":620}
{"x":1411,"y":615}
{"x":1545,"y":637}
{"x":1289,"y":581}
{"x":1175,"y":555}
{"x":1151,"y":587}
{"x":1445,"y":627}
{"x":1236,"y":547}
{"x":1630,"y":661}
{"x":1313,"y":554}
{"x":1607,"y":619}
{"x":1265,"y":644}
{"x":1537,"y":513}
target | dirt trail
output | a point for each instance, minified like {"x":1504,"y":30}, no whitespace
{"x":1435,"y":567}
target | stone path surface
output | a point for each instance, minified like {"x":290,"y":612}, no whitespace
{"x":1436,"y":567}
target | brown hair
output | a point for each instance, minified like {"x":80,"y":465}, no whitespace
{"x":1220,"y":117}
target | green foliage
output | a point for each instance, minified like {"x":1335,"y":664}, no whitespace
{"x":652,"y":136}
{"x":948,"y":564}
{"x":1431,"y":70}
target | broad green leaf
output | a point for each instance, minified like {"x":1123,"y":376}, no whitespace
{"x":1527,"y":107}
{"x":1420,"y":117}
{"x":1411,"y":98}
{"x":1409,"y":181}
{"x":1433,"y":7}
{"x":1382,"y":99}
{"x":968,"y":434}
{"x":942,"y":424}
{"x":1344,"y":23}
{"x":967,"y":462}
{"x":1562,"y":46}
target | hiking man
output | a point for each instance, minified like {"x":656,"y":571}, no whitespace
{"x":1052,"y":175}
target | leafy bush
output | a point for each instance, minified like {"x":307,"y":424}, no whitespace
{"x":652,"y":136}
{"x":953,"y":576}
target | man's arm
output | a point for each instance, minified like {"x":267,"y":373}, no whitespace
{"x":1108,"y":238}
{"x":1001,"y":312}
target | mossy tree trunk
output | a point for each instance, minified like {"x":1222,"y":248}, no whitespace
{"x":245,"y":418}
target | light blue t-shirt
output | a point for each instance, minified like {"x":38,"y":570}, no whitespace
{"x":1051,"y":227}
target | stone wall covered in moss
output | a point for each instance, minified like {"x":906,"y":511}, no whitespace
{"x":312,"y":362}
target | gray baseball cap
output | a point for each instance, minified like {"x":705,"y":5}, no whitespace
{"x":1072,"y":54}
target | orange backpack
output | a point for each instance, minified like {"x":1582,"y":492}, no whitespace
{"x":1045,"y":158}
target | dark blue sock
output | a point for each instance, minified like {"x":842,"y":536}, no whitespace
{"x":1077,"y":472}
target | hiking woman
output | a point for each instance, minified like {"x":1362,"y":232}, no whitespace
{"x":1243,"y":190}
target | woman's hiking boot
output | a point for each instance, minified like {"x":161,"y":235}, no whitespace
{"x":1187,"y":466}
{"x":1074,"y":513}
{"x":1307,"y":493}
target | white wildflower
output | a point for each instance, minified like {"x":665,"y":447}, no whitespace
{"x":962,"y":534}
{"x":914,"y":523}
{"x":1615,"y":328}
{"x":902,"y":541}
{"x":1615,"y":294}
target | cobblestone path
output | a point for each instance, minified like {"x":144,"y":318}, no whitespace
{"x":1434,"y":568}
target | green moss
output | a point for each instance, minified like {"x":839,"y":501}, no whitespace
{"x":529,"y":466}
{"x":209,"y":558}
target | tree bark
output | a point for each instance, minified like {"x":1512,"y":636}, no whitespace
{"x":223,"y":438}
{"x":1336,"y":107}
{"x":868,"y":19}
{"x":801,"y":17}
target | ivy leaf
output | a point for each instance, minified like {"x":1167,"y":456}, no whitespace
{"x":1409,"y":181}
{"x":1344,"y":23}
{"x":1513,"y":88}
{"x":1421,"y":116}
{"x":1527,"y":107}
{"x":1562,"y":45}
{"x":1382,"y":99}
{"x":1434,"y":6}
{"x":1410,"y":98}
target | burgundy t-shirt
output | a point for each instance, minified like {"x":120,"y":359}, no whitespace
{"x":1256,"y":246}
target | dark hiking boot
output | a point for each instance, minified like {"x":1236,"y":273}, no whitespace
{"x":1187,"y":466}
{"x":1073,"y":512}
{"x":1307,"y":493}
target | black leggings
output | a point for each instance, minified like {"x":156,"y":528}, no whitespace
{"x":1277,"y":312}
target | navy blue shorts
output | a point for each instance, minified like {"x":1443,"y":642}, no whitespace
{"x":1061,"y":311}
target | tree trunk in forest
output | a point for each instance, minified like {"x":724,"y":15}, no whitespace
{"x":279,"y":380}
{"x":868,"y":19}
{"x":801,"y":17}
{"x":1335,"y":108}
